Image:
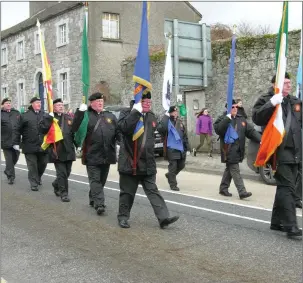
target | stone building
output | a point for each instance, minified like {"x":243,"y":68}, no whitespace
{"x":113,"y":35}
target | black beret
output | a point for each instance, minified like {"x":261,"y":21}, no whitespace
{"x":233,"y":102}
{"x":5,"y":100}
{"x":146,"y":95}
{"x":58,"y":100}
{"x":172,"y":109}
{"x":273,"y":80}
{"x":96,"y":96}
{"x":35,"y":99}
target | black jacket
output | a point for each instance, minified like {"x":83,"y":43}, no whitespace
{"x":173,"y":154}
{"x":32,"y":138}
{"x":234,"y":153}
{"x":10,"y":135}
{"x":262,"y":112}
{"x":146,"y":163}
{"x":99,"y":146}
{"x":63,"y":150}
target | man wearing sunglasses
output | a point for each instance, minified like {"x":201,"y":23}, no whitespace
{"x":233,"y":153}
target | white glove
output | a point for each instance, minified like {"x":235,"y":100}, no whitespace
{"x":138,"y":107}
{"x":229,"y":116}
{"x":79,"y":149}
{"x":166,"y":113}
{"x":51,"y":114}
{"x":16,"y":147}
{"x":188,"y":153}
{"x":83,"y":107}
{"x":276,"y":99}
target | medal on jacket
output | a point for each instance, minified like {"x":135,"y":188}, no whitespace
{"x":108,"y":120}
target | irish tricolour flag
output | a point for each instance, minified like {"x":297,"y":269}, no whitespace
{"x":275,"y":131}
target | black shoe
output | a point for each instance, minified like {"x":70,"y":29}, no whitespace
{"x":277,"y":227}
{"x":299,"y":204}
{"x":100,"y":209}
{"x":166,"y":175}
{"x":226,"y":194}
{"x":294,"y":232}
{"x":123,"y":224}
{"x":174,"y":188}
{"x":11,"y":181}
{"x":210,"y":155}
{"x":91,"y":203}
{"x":194,"y":152}
{"x":245,"y":195}
{"x":65,"y":198}
{"x":56,"y":190}
{"x":168,"y":221}
{"x":40,"y":183}
{"x":35,"y":189}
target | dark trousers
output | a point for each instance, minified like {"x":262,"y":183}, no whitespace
{"x":63,"y":170}
{"x":175,"y":166}
{"x":298,"y":189}
{"x":97,"y":176}
{"x":11,"y":158}
{"x":36,"y":165}
{"x":232,"y":171}
{"x":284,"y":208}
{"x":128,"y":188}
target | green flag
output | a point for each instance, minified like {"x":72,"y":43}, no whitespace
{"x":182,"y":109}
{"x":283,"y":30}
{"x":81,"y":133}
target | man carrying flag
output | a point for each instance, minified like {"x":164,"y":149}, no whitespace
{"x":281,"y":115}
{"x":137,"y":162}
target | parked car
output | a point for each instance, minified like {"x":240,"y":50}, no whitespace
{"x":265,"y":172}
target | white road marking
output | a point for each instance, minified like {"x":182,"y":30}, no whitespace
{"x":182,"y":194}
{"x":173,"y":202}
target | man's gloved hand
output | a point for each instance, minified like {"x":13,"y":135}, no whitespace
{"x":51,"y":114}
{"x":83,"y":107}
{"x":166,"y":113}
{"x":229,"y":116}
{"x":79,"y":149}
{"x":276,"y":99}
{"x":138,"y":107}
{"x":16,"y":147}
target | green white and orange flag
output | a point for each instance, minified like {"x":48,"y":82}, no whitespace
{"x":54,"y":134}
{"x":275,"y":130}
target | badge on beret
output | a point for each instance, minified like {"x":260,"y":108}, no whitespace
{"x":108,"y":120}
{"x":297,"y":108}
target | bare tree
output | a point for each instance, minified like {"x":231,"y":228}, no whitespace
{"x":220,"y":31}
{"x":245,"y":29}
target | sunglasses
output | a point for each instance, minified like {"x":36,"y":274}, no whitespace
{"x":234,"y":107}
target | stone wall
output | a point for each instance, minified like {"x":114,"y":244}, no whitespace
{"x":254,"y":68}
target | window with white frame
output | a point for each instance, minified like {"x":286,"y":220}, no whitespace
{"x":4,"y":56}
{"x":4,"y":91}
{"x":62,"y":32}
{"x":21,"y":93}
{"x":110,"y":26}
{"x":20,"y":50}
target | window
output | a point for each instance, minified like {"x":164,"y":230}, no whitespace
{"x":4,"y":92}
{"x":62,"y":32}
{"x":63,"y":86}
{"x":21,"y":93}
{"x":20,"y":50}
{"x":37,"y":41}
{"x":110,"y":26}
{"x":3,"y":56}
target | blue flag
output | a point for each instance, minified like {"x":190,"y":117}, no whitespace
{"x":173,"y":138}
{"x":231,"y":135}
{"x":141,"y":75}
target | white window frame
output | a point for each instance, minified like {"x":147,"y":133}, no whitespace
{"x":109,"y":25}
{"x":59,"y":85}
{"x":21,"y":99}
{"x":5,"y":61}
{"x":20,"y":57}
{"x":58,"y":35}
{"x":37,"y":42}
{"x":4,"y":86}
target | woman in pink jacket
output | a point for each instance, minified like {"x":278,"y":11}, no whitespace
{"x":204,"y":128}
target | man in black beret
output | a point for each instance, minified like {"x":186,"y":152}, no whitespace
{"x":62,"y":154}
{"x":137,"y":163}
{"x":32,"y":139}
{"x":233,"y":149}
{"x":175,"y":150}
{"x":10,"y":138}
{"x":288,"y":155}
{"x":98,"y":150}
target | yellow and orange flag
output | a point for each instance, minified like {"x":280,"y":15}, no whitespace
{"x":54,"y":134}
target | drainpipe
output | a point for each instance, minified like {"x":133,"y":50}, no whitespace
{"x":176,"y":58}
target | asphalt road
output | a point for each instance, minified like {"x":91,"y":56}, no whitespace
{"x":45,"y":240}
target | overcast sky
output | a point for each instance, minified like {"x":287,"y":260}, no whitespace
{"x":255,"y":13}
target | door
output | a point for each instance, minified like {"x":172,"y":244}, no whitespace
{"x":195,"y":101}
{"x":41,"y":92}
